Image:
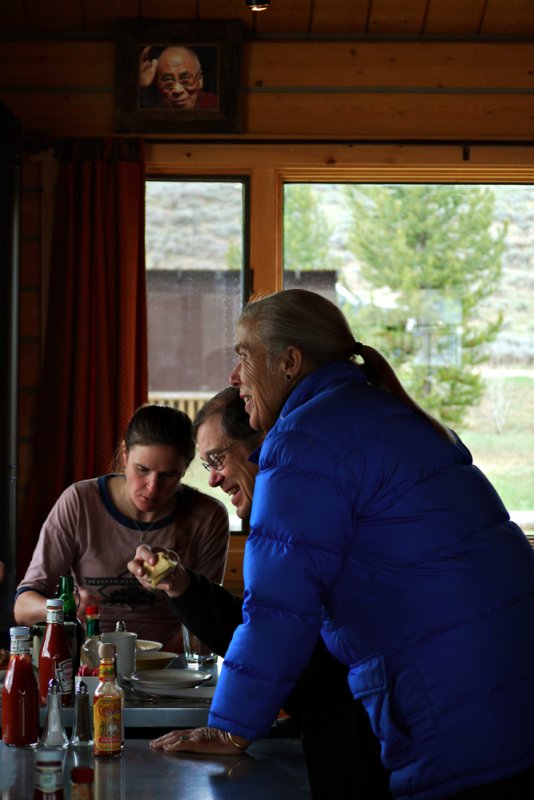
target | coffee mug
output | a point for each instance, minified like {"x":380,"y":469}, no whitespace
{"x":124,"y":642}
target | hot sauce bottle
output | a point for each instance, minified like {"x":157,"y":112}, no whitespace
{"x":55,"y":658}
{"x":107,"y":707}
{"x":20,"y":697}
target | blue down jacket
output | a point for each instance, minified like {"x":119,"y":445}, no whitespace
{"x":371,"y":527}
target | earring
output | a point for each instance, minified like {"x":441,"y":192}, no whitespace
{"x":288,"y":377}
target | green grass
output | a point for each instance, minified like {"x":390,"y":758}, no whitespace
{"x":506,"y":457}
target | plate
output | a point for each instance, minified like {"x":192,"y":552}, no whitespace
{"x":168,"y":681}
{"x":147,"y":646}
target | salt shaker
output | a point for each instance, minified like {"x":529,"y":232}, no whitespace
{"x":54,"y":733}
{"x":81,"y":729}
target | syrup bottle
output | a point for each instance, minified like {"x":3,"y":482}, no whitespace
{"x":20,"y":696}
{"x":55,"y":658}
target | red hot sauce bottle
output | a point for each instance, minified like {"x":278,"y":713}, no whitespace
{"x":20,"y":698}
{"x":55,"y":658}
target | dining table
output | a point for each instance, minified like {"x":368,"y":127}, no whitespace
{"x":272,"y":768}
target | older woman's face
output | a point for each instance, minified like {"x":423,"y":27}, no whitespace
{"x":262,"y":389}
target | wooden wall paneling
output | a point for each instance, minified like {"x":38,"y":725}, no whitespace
{"x":76,"y":65}
{"x":392,"y":116}
{"x":405,"y":66}
{"x":101,"y":15}
{"x":515,"y":17}
{"x":284,"y":17}
{"x":265,"y":230}
{"x":334,"y":159}
{"x":347,"y":17}
{"x":456,"y":17}
{"x":399,"y":17}
{"x":168,"y":9}
{"x":14,"y":17}
{"x":227,"y":9}
{"x":68,"y":65}
{"x":53,"y":16}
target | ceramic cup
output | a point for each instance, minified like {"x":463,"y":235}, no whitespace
{"x":195,"y":651}
{"x":124,"y":642}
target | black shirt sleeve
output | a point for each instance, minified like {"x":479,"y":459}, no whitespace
{"x":211,"y":612}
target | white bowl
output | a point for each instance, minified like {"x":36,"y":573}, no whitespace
{"x":147,"y":646}
{"x":156,"y":659}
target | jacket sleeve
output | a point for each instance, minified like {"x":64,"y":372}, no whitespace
{"x":210,"y":611}
{"x":292,"y":558}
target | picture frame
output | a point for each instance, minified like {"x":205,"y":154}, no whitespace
{"x":178,"y":76}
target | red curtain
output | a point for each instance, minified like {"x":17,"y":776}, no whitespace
{"x":95,"y":358}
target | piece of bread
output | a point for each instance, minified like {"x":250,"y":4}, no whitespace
{"x":163,"y":567}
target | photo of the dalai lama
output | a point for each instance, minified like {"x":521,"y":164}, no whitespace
{"x":178,"y":78}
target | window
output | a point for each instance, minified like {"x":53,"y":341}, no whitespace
{"x":196,"y":281}
{"x":440,"y":279}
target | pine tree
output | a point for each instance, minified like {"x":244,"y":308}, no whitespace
{"x":439,"y":252}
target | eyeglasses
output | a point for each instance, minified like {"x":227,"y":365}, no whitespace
{"x":185,"y":79}
{"x":214,"y":460}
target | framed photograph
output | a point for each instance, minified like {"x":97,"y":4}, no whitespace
{"x":178,"y":77}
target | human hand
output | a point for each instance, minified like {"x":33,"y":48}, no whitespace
{"x":173,"y":585}
{"x":212,"y":741}
{"x":85,"y":598}
{"x":147,"y":68}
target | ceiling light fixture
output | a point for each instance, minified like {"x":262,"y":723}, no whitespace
{"x":256,"y":5}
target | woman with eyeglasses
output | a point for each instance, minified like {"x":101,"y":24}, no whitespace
{"x":96,"y":525}
{"x":371,"y":525}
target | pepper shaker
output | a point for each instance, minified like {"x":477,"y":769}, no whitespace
{"x":81,"y":729}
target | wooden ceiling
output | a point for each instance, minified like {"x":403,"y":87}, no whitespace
{"x":427,"y":19}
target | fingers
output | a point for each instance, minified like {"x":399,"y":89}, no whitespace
{"x":210,"y":741}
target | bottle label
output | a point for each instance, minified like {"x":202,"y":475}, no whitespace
{"x":107,"y":724}
{"x":55,"y":615}
{"x":20,"y":646}
{"x":64,"y":675}
{"x":48,"y":778}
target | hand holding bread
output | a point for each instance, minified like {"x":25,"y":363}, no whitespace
{"x":159,"y":568}
{"x":164,"y":566}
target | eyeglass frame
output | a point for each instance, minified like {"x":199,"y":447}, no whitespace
{"x":213,"y":460}
{"x":185,"y":79}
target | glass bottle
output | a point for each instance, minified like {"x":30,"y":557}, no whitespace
{"x":54,"y":734}
{"x":81,"y":729}
{"x":89,"y":660}
{"x":70,"y":614}
{"x":55,"y":658}
{"x":108,"y":703}
{"x":20,"y":696}
{"x":48,"y":775}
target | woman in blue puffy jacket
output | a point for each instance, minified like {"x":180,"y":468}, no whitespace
{"x":371,"y":524}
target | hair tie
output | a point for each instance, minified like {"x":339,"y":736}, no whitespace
{"x":358,"y":347}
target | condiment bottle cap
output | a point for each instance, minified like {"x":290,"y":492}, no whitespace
{"x":106,"y":650}
{"x":91,"y":611}
{"x":20,"y":631}
{"x":81,"y":775}
{"x":54,"y":602}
